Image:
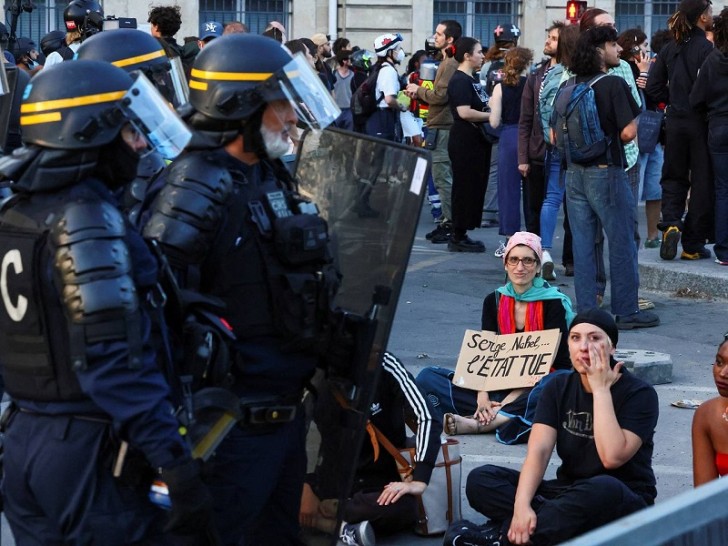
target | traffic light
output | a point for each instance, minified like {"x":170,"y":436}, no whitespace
{"x":574,"y":10}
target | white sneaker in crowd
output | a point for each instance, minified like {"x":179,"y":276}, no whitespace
{"x":547,"y":268}
{"x":501,"y":250}
{"x":357,"y":534}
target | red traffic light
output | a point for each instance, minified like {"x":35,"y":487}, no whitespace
{"x":574,"y":10}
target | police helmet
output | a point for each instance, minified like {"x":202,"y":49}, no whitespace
{"x":387,"y":42}
{"x":363,"y":59}
{"x":23,"y":46}
{"x":73,"y":106}
{"x":126,"y":48}
{"x":53,"y":41}
{"x":84,"y":16}
{"x":234,"y":76}
{"x":506,"y":32}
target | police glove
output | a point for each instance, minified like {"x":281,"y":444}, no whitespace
{"x":191,"y":501}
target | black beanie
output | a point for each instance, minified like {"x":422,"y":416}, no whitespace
{"x":599,"y":318}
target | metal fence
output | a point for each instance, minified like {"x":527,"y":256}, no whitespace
{"x":478,"y":17}
{"x":256,"y":14}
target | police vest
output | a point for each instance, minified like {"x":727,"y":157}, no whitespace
{"x":44,"y":319}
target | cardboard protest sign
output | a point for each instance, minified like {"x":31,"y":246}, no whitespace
{"x":491,"y":362}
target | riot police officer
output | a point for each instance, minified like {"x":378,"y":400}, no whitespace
{"x":131,"y":50}
{"x":233,"y":226}
{"x":91,"y":423}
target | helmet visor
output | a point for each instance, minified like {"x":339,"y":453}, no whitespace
{"x":151,"y":114}
{"x":179,"y":82}
{"x":311,"y":101}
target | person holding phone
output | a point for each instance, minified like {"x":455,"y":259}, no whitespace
{"x":601,"y":419}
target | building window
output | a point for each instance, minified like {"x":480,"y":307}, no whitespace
{"x":47,"y":16}
{"x":649,"y":15}
{"x":478,"y":17}
{"x":256,"y":14}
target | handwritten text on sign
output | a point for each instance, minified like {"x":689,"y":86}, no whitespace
{"x":491,"y":362}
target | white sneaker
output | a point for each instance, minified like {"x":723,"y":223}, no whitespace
{"x":357,"y":534}
{"x":547,"y":268}
{"x":501,"y":250}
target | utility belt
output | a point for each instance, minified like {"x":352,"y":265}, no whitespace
{"x":269,"y":412}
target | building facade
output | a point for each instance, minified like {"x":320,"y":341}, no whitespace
{"x":362,"y":20}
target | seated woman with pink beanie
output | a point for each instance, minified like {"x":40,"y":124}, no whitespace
{"x":525,"y":303}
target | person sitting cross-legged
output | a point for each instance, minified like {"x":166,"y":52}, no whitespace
{"x":601,"y":419}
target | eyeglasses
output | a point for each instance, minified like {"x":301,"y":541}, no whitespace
{"x":527,"y":262}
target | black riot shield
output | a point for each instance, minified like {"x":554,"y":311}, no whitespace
{"x":370,"y":192}
{"x":8,"y":82}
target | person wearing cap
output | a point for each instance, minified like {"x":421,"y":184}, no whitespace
{"x":687,"y":167}
{"x":323,"y":53}
{"x":526,"y":303}
{"x":208,"y":32}
{"x":601,"y":420}
{"x":26,"y":56}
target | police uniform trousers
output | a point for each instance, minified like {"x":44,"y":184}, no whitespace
{"x":59,"y":489}
{"x":256,"y":479}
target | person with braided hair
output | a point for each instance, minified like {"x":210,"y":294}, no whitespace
{"x":687,"y":165}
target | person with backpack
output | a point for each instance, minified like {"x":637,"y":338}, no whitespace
{"x":594,"y":115}
{"x":383,"y":120}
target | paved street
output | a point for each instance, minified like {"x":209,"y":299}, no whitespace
{"x":442,"y":297}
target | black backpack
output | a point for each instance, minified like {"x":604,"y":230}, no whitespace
{"x":364,"y":100}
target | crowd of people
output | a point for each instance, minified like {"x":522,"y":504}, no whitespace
{"x":146,"y":197}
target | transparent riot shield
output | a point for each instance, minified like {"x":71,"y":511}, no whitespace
{"x":370,"y":192}
{"x":8,"y":82}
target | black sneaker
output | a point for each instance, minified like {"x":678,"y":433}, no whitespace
{"x":467,"y":533}
{"x":440,"y":235}
{"x":569,"y":270}
{"x":641,"y":319}
{"x":465,"y":245}
{"x":698,"y":254}
{"x":670,"y":239}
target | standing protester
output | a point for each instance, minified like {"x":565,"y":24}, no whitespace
{"x":166,"y":22}
{"x":439,"y":122}
{"x":505,"y":37}
{"x":601,"y":419}
{"x":74,"y":337}
{"x":555,"y":186}
{"x":469,"y":150}
{"x":532,"y":145}
{"x":323,"y":54}
{"x":687,"y":165}
{"x":505,"y":112}
{"x":83,"y":18}
{"x":342,"y":89}
{"x":710,"y":98}
{"x":384,"y":122}
{"x":597,"y":190}
{"x":235,"y":175}
{"x":634,"y":51}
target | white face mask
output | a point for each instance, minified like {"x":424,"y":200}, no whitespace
{"x":399,"y":56}
{"x":275,"y":146}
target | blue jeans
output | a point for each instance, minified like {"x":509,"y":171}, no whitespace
{"x":554,"y":197}
{"x":718,"y":145}
{"x":594,"y":195}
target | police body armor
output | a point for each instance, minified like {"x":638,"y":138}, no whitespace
{"x":66,"y":283}
{"x":269,"y":260}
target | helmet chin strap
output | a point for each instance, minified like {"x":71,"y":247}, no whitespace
{"x":250,"y":130}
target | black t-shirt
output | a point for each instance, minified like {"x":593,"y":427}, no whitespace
{"x":465,"y":90}
{"x":554,"y":317}
{"x":616,"y":108}
{"x":566,"y":407}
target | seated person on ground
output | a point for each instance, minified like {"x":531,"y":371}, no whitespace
{"x":525,"y":303}
{"x":601,"y":419}
{"x":710,"y":426}
{"x":380,"y":501}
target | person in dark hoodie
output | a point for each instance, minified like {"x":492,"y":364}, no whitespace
{"x":687,"y":161}
{"x":710,"y":98}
